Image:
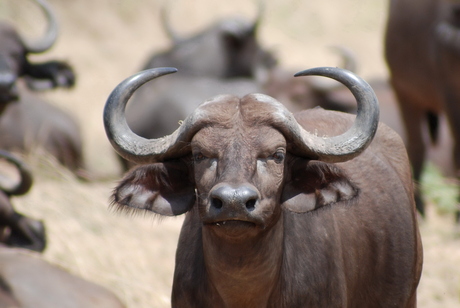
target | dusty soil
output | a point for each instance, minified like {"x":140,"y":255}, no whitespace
{"x":107,"y":41}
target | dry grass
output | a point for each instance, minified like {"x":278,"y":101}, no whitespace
{"x":107,"y":41}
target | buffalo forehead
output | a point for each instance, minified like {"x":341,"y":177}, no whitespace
{"x":234,"y":119}
{"x":254,"y":109}
{"x":262,"y":138}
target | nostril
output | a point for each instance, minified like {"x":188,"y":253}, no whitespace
{"x":251,"y":204}
{"x":216,"y":203}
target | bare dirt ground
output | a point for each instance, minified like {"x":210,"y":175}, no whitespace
{"x":107,"y":41}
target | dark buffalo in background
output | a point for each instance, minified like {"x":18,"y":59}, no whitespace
{"x":423,"y":54}
{"x":439,"y":154}
{"x":28,"y":281}
{"x":33,"y":124}
{"x":227,"y":49}
{"x":298,"y":93}
{"x":14,"y":62}
{"x":27,"y":121}
{"x":279,"y":213}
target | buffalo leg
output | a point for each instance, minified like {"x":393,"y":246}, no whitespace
{"x":452,"y":112}
{"x":416,"y":149}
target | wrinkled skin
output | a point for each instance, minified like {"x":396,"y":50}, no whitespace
{"x":27,"y":281}
{"x":267,"y":228}
{"x":423,"y":54}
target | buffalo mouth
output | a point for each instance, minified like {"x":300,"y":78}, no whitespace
{"x":232,"y":227}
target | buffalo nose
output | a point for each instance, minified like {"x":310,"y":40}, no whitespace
{"x":240,"y":197}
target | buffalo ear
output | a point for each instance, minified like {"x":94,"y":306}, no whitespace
{"x":163,"y":188}
{"x":313,"y":184}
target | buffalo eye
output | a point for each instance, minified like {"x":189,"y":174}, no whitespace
{"x":198,"y":157}
{"x":278,"y":157}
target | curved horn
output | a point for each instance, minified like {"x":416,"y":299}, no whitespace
{"x":51,"y":34}
{"x":348,"y":62}
{"x":165,"y":22}
{"x":138,"y":149}
{"x":25,"y":174}
{"x":330,"y":149}
{"x":351,"y":143}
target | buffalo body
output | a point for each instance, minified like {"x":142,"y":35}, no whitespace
{"x":423,"y":53}
{"x":277,"y":216}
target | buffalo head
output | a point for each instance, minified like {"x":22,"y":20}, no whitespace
{"x":282,"y":209}
{"x":227,"y":49}
{"x":234,"y":159}
{"x":14,"y":62}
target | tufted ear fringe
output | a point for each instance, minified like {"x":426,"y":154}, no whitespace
{"x":316,"y":184}
{"x":162,"y":188}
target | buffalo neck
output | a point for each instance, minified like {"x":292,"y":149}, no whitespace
{"x":244,"y":272}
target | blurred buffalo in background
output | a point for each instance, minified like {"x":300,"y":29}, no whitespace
{"x":26,"y":280}
{"x":31,"y":122}
{"x":439,"y":154}
{"x":227,"y":49}
{"x":422,"y":50}
{"x":14,"y":62}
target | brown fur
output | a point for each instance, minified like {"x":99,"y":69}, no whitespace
{"x":424,"y":61}
{"x":271,"y":229}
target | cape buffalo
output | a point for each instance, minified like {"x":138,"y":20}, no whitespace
{"x":422,"y":50}
{"x":17,"y":230}
{"x":282,"y":210}
{"x":14,"y":62}
{"x":33,"y":123}
{"x":226,"y":49}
